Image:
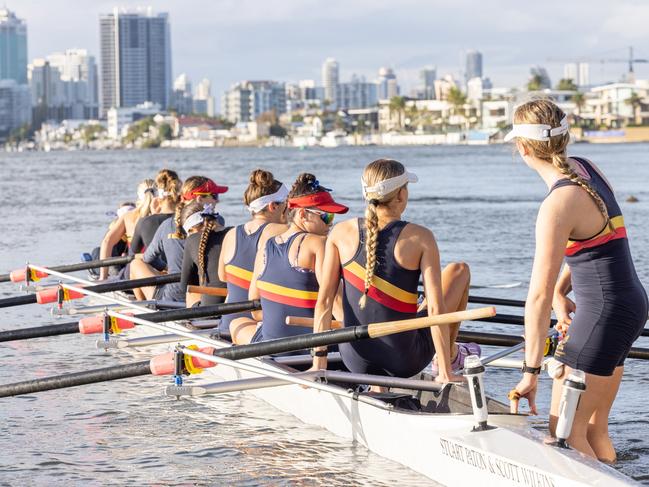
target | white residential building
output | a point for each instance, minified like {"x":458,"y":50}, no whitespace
{"x":120,"y":118}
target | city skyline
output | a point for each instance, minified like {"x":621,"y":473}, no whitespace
{"x":288,"y":41}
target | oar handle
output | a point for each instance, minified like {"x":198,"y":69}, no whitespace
{"x":303,"y":321}
{"x":389,"y":327}
{"x":208,"y":291}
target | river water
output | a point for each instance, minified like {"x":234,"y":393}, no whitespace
{"x":479,"y":201}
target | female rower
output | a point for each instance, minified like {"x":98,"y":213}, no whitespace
{"x":169,"y":241}
{"x":202,"y":250}
{"x":288,"y":266}
{"x":125,"y":225}
{"x":168,"y":186}
{"x":610,"y":306}
{"x":382,"y":259}
{"x":266,"y":199}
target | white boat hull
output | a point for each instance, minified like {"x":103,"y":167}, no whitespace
{"x":440,"y":446}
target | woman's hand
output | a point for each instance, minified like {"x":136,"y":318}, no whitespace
{"x":563,"y":308}
{"x":525,"y":389}
{"x":444,"y":378}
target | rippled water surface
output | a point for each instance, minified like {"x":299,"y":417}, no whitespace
{"x":480,"y":202}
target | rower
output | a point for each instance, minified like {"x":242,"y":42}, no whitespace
{"x":202,"y":250}
{"x":266,"y":200}
{"x":579,"y":221}
{"x":382,"y":260}
{"x":168,"y":187}
{"x":119,"y":249}
{"x":125,"y":225}
{"x":288,"y":267}
{"x":169,"y":241}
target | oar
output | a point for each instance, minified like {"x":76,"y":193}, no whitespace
{"x":156,"y":317}
{"x":49,"y":295}
{"x":497,"y":301}
{"x":208,"y":291}
{"x":19,"y":274}
{"x":160,"y":365}
{"x":501,"y":340}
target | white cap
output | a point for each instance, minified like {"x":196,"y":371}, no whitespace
{"x":387,"y":186}
{"x":536,"y":131}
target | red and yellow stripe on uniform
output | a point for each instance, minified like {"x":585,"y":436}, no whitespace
{"x":613,"y":231}
{"x":287,"y":295}
{"x":238,"y":276}
{"x":381,"y":290}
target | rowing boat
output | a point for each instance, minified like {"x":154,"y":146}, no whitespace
{"x":428,"y":428}
{"x":436,"y":439}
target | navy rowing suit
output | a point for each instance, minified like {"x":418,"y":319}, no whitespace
{"x":238,"y":270}
{"x":285,"y":290}
{"x":392,"y":296}
{"x":610,"y":300}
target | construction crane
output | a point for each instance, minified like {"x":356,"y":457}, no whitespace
{"x":631,"y":60}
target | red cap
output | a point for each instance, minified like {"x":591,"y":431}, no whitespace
{"x":321,"y":200}
{"x":208,"y":187}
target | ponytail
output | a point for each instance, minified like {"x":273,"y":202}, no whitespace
{"x":209,"y":226}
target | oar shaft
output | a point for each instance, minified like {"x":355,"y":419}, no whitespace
{"x":40,"y":331}
{"x":82,"y":266}
{"x":76,"y":379}
{"x":155,"y":317}
{"x":497,"y":301}
{"x":99,"y":288}
{"x":17,"y":300}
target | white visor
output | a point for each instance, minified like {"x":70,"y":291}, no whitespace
{"x":123,"y":210}
{"x":193,"y":220}
{"x":262,"y":202}
{"x":389,"y":185}
{"x":535,"y":131}
{"x":162,"y":193}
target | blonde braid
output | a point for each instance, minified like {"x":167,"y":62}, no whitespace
{"x":371,"y":244}
{"x":560,"y":162}
{"x":208,"y":227}
{"x":180,"y":232}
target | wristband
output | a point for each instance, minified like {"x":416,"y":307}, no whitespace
{"x":318,"y":353}
{"x":530,"y":370}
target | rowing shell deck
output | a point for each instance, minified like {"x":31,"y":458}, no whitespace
{"x":436,"y":440}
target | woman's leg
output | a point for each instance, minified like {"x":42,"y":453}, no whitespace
{"x":242,"y":330}
{"x":598,"y":436}
{"x":596,"y":399}
{"x":139,"y":270}
{"x":456,"y":278}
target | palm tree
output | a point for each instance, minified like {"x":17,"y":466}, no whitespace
{"x":635,"y":102}
{"x":397,"y":105}
{"x":535,"y":83}
{"x":567,"y":84}
{"x":413,"y":116}
{"x":579,"y":99}
{"x":457,"y":99}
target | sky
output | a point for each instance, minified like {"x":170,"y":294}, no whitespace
{"x":231,"y":40}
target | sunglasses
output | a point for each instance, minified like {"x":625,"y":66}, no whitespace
{"x":213,"y":195}
{"x":325,"y":216}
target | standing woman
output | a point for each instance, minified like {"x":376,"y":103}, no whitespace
{"x":288,"y":267}
{"x":168,"y":187}
{"x":125,"y":225}
{"x":169,"y":241}
{"x":579,"y":220}
{"x":266,"y":199}
{"x":202,"y":250}
{"x":382,"y":259}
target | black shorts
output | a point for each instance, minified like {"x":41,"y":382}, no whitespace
{"x":601,"y":334}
